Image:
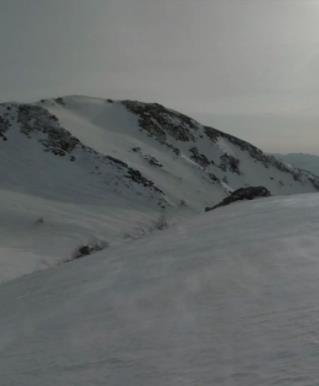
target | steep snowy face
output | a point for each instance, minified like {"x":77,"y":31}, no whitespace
{"x":222,"y":156}
{"x":189,"y":162}
{"x":45,"y":159}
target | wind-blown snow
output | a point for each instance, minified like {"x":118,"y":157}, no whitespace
{"x":226,"y":298}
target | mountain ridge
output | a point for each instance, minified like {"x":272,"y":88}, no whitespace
{"x":303,"y":161}
{"x":174,"y":130}
{"x":77,"y":171}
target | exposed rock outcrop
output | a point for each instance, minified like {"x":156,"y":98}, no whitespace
{"x":249,"y":193}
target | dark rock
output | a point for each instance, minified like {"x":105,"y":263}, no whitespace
{"x":137,"y":177}
{"x":212,"y":134}
{"x":213,"y":177}
{"x":174,"y":149}
{"x":257,"y":154}
{"x":249,"y":193}
{"x":116,"y":161}
{"x":228,"y":162}
{"x":89,"y":249}
{"x":60,"y":101}
{"x":152,"y":161}
{"x":161,"y":123}
{"x":54,"y":138}
{"x":4,"y":127}
{"x":199,"y":158}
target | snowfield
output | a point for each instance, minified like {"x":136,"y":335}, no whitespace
{"x":225,"y":298}
{"x":38,"y":233}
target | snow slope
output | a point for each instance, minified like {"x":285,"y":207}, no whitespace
{"x":38,"y":233}
{"x":77,"y":170}
{"x":57,"y":194}
{"x":198,"y":164}
{"x":226,"y":298}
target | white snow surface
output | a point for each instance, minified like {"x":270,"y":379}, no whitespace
{"x":225,"y":298}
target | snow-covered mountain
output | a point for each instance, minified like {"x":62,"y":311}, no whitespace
{"x":78,"y":170}
{"x":302,"y":161}
{"x":133,"y":148}
{"x":172,"y":295}
{"x":226,"y":298}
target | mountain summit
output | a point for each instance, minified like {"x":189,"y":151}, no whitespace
{"x":133,"y":149}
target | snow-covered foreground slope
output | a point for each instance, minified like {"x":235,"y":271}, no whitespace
{"x":38,"y":233}
{"x":227,"y":298}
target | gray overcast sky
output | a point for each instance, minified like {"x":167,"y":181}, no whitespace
{"x":249,"y":67}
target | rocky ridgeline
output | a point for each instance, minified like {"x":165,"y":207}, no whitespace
{"x":255,"y":153}
{"x":163,"y":124}
{"x":215,"y":157}
{"x":54,"y":138}
{"x":35,"y":122}
{"x":160,"y":122}
{"x":167,"y":126}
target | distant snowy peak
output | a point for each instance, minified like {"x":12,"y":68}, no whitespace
{"x":309,"y":162}
{"x":142,"y":151}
